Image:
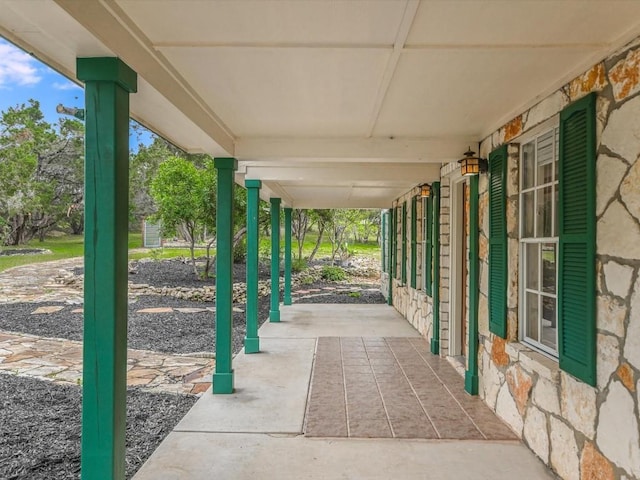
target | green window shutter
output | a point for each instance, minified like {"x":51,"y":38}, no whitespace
{"x":414,"y":236}
{"x":393,"y":255}
{"x":428,"y":264}
{"x":403,"y":267}
{"x":577,"y":240}
{"x":383,"y":247}
{"x":498,"y":242}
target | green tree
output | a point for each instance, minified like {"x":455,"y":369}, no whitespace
{"x":322,"y":219}
{"x":41,"y":173}
{"x":183,"y":196}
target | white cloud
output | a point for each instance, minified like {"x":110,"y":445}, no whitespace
{"x":65,"y":85}
{"x":16,"y":67}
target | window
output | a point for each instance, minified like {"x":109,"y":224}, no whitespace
{"x":539,"y":239}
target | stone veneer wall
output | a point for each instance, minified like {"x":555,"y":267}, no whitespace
{"x":412,"y":303}
{"x":581,"y":432}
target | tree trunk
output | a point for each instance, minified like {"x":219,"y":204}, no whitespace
{"x":209,"y":262}
{"x":192,"y":245}
{"x":318,"y":241}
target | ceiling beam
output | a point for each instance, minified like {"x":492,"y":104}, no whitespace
{"x":119,"y":34}
{"x":411,"y":8}
{"x":436,"y":150}
{"x":346,"y":173}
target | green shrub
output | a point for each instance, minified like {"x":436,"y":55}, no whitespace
{"x":307,"y":280}
{"x":240,"y":252}
{"x":333,"y":274}
{"x":298,"y":265}
{"x":354,"y":294}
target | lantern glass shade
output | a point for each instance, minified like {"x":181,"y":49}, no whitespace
{"x":472,"y":165}
{"x":425,"y":190}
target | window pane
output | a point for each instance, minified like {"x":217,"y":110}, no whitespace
{"x":544,"y":212}
{"x":528,"y":212}
{"x":532,"y":316}
{"x":555,"y":211}
{"x":532,"y":265}
{"x":549,"y":268}
{"x":557,"y":147}
{"x":545,"y":157}
{"x":545,"y":173}
{"x":528,"y":165}
{"x":549,"y":322}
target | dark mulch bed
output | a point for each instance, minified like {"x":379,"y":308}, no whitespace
{"x":177,"y":272}
{"x":172,"y":332}
{"x":356,"y":293}
{"x":40,"y":427}
{"x":22,"y":251}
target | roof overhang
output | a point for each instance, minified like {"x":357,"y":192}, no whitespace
{"x":344,"y":104}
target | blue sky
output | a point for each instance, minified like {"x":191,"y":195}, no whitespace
{"x":23,"y":77}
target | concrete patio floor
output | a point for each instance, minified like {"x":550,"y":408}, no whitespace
{"x":258,"y":431}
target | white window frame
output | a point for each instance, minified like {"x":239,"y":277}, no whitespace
{"x":534,"y":135}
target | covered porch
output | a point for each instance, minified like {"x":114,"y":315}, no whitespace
{"x":359,"y":105}
{"x":276,"y":423}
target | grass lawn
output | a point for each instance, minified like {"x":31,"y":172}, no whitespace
{"x":69,"y":246}
{"x":61,"y":247}
{"x":371,"y":249}
{"x":73,"y":246}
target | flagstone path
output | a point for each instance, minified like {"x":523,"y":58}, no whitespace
{"x":35,"y":283}
{"x":60,"y":361}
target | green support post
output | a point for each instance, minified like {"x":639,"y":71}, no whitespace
{"x":435,"y":286}
{"x":287,"y":256}
{"x":251,"y":340}
{"x":274,"y":313}
{"x":223,"y":376}
{"x":108,"y":83}
{"x":471,"y":375}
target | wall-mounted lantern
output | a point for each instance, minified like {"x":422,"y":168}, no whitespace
{"x":425,"y":190}
{"x":472,"y":165}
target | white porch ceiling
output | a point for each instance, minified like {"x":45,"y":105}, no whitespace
{"x":331,"y":103}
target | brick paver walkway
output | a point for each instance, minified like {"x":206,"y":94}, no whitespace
{"x":393,"y":387}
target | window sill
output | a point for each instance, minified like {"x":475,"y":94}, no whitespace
{"x":534,"y":361}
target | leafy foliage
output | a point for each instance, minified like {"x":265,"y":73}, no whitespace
{"x":183,"y":196}
{"x":298,"y":265}
{"x":333,"y":273}
{"x":41,"y":174}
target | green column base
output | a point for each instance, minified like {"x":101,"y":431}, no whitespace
{"x":251,"y":345}
{"x":470,"y":383}
{"x":274,"y":315}
{"x":435,"y":346}
{"x":223,"y":382}
{"x":287,"y":301}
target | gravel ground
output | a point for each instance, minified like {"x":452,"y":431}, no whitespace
{"x":179,"y":273}
{"x":40,"y":421}
{"x":40,"y":427}
{"x":366,"y":295}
